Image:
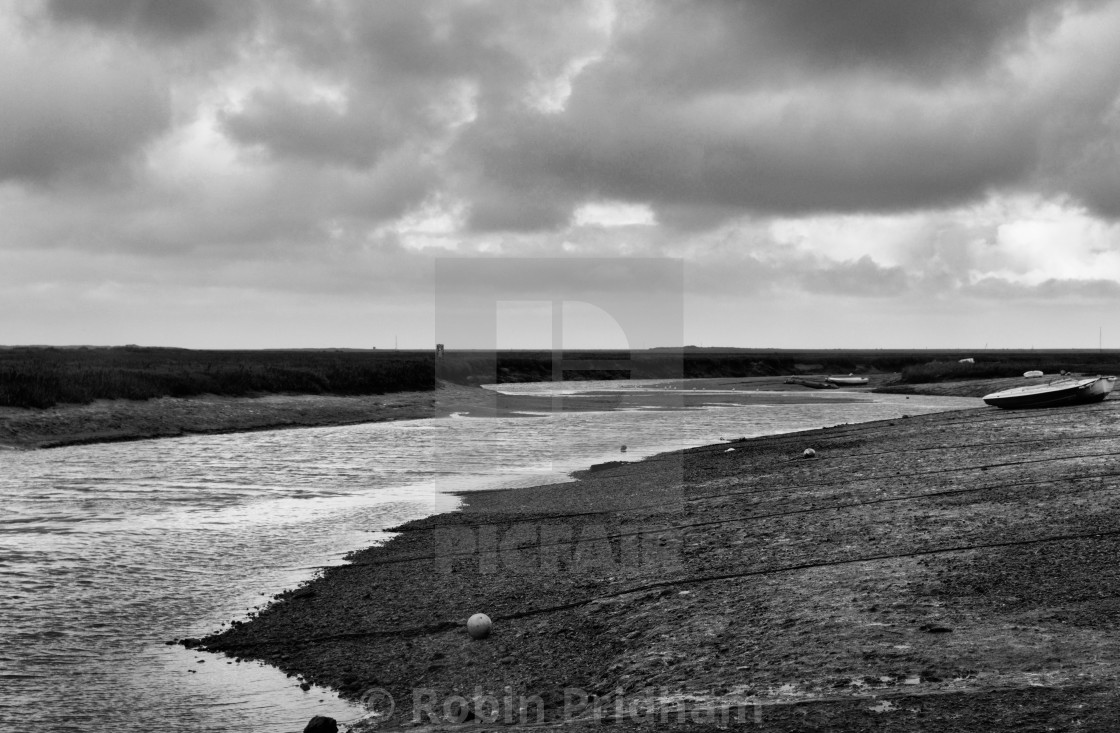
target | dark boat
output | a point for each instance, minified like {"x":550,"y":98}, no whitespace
{"x":851,"y":380}
{"x":812,"y":383}
{"x":1059,"y":393}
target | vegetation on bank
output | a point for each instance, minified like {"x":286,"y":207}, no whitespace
{"x":44,"y":377}
{"x":537,"y":366}
{"x":914,"y":365}
{"x":1012,"y":365}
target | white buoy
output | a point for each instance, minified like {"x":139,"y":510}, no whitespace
{"x":809,"y":453}
{"x":478,"y":626}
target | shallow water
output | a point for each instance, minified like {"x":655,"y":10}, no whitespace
{"x":108,"y":551}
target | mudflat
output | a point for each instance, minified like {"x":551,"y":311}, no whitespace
{"x":947,"y":572}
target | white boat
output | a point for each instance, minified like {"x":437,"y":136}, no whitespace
{"x":849,"y":380}
{"x":1058,"y":393}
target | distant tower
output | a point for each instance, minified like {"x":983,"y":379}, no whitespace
{"x":439,"y":351}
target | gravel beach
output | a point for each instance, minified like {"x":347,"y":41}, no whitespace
{"x":947,"y":572}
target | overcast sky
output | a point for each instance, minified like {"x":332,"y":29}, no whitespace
{"x":832,"y":173}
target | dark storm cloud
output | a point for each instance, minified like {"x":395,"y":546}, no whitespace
{"x":919,"y":38}
{"x":704,"y":111}
{"x":400,"y":52}
{"x":399,"y":66}
{"x":408,"y":74}
{"x":65,"y":118}
{"x":700,"y":46}
{"x":1098,"y":184}
{"x":524,"y":210}
{"x":302,"y":209}
{"x":159,"y":149}
{"x":351,"y":114}
{"x":1087,"y":166}
{"x":166,"y":19}
{"x":716,"y":109}
{"x":813,"y":157}
{"x":313,"y":130}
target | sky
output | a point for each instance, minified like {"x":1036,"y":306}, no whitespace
{"x":822,"y":174}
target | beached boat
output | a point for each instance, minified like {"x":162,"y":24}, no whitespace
{"x":813,"y":383}
{"x":849,"y":380}
{"x":1065,"y":391}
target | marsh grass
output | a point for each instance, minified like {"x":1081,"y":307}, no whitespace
{"x":536,"y":366}
{"x":946,"y":371}
{"x":45,"y":377}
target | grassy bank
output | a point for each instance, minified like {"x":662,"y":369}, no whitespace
{"x":44,"y":377}
{"x":688,"y":363}
{"x":1010,"y":365}
{"x":39,"y":377}
{"x":915,"y":365}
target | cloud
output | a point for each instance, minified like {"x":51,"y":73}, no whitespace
{"x":863,"y":277}
{"x":1078,"y":84}
{"x":699,"y":48}
{"x":923,"y":40}
{"x":80,"y":114}
{"x":700,"y":112}
{"x":159,"y":19}
{"x":1065,"y":291}
{"x":870,"y":151}
{"x":314,"y":130}
{"x":708,"y":111}
{"x":845,"y":149}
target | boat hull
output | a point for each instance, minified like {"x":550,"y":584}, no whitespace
{"x":849,"y":381}
{"x":811,"y":383}
{"x":1057,"y":394}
